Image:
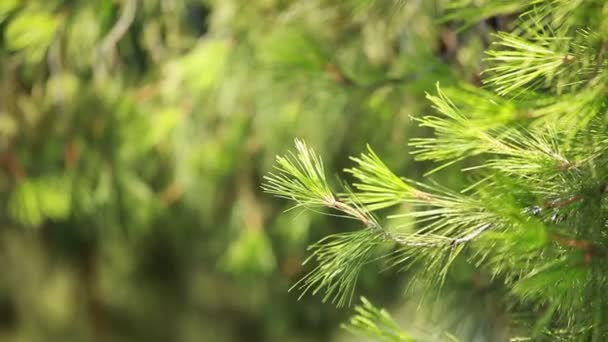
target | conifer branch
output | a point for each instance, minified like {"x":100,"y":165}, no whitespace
{"x":539,"y":138}
{"x":521,"y":64}
{"x":301,"y":178}
{"x":340,"y":257}
{"x":376,"y":323}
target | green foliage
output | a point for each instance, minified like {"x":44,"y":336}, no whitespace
{"x":250,"y":254}
{"x":308,"y":186}
{"x":377,"y":186}
{"x":133,"y":135}
{"x":33,"y":201}
{"x":31,"y":33}
{"x":376,"y":323}
{"x":532,"y":217}
{"x":340,"y":258}
{"x":7,"y":7}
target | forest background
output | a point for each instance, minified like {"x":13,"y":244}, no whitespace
{"x":134,"y":136}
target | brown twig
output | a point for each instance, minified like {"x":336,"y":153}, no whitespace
{"x":348,"y":209}
{"x":570,"y":242}
{"x":558,"y":203}
{"x":337,"y":75}
{"x":590,"y":249}
{"x":71,"y":155}
{"x":172,"y":193}
{"x":13,"y":165}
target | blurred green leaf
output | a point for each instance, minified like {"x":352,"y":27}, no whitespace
{"x":250,"y":254}
{"x":6,"y":7}
{"x":31,"y":32}
{"x":35,"y":200}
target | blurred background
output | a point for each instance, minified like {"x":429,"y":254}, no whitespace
{"x":134,"y":135}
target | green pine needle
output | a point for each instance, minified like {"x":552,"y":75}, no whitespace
{"x":300,"y":177}
{"x":340,"y":258}
{"x":378,"y":186}
{"x":375,"y":323}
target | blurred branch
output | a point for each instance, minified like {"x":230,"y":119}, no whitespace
{"x":109,"y":42}
{"x":334,"y":72}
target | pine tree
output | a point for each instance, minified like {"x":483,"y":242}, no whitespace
{"x":532,"y":142}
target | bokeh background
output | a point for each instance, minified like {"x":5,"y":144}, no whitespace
{"x":134,"y":135}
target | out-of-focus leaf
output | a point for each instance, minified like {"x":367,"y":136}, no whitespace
{"x":32,"y":33}
{"x":23,"y":205}
{"x":8,"y":126}
{"x":62,"y":87}
{"x":54,"y":196}
{"x":196,"y":71}
{"x":6,"y":7}
{"x":35,"y":200}
{"x":84,"y":33}
{"x":161,"y":125}
{"x":292,"y":50}
{"x":250,"y":253}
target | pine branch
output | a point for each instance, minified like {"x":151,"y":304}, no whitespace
{"x":522,"y":65}
{"x":534,"y":156}
{"x":450,"y":220}
{"x":379,"y":187}
{"x":375,"y":323}
{"x":539,"y":139}
{"x":301,"y":178}
{"x":340,"y":258}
